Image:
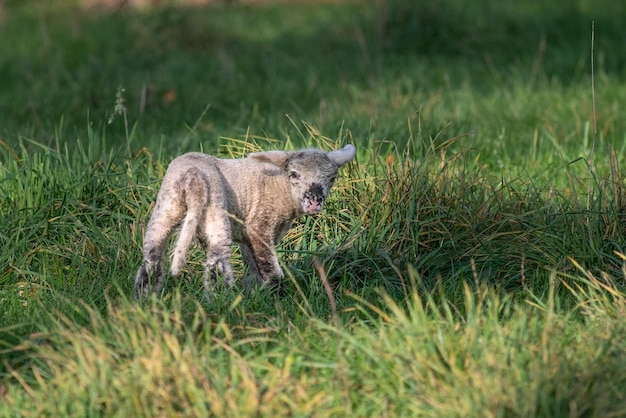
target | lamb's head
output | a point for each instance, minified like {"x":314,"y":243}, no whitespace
{"x":311,"y":173}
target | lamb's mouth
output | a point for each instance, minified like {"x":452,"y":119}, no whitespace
{"x":311,"y":206}
{"x":313,"y":199}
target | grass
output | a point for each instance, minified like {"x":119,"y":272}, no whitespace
{"x":470,"y":263}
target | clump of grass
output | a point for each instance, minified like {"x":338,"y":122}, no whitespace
{"x":436,"y":209}
{"x":72,"y":220}
{"x":419,"y":356}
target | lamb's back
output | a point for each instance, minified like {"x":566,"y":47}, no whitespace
{"x":252,"y":189}
{"x":255,"y":184}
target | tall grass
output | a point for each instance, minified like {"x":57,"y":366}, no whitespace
{"x":417,"y":357}
{"x":445,"y":281}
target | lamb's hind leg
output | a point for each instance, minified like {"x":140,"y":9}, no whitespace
{"x":151,"y":272}
{"x":196,"y":199}
{"x":217,"y":236}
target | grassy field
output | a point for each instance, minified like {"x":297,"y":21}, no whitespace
{"x":470,"y":263}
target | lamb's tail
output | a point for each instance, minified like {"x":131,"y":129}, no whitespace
{"x":195,"y":192}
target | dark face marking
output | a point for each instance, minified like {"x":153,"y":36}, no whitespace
{"x":313,"y":199}
{"x":315,"y":192}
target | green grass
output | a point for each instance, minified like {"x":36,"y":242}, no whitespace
{"x":475,"y":249}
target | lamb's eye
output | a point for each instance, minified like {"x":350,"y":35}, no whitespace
{"x":293,"y":175}
{"x":332,"y":179}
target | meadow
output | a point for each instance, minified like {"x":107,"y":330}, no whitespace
{"x":470,"y":263}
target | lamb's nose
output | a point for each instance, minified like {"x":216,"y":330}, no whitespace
{"x":315,"y":192}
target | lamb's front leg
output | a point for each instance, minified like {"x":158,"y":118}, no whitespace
{"x":252,"y":274}
{"x":265,"y":264}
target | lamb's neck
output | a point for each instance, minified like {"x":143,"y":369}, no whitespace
{"x":283,"y":201}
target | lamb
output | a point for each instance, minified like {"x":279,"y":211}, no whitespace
{"x":252,"y":201}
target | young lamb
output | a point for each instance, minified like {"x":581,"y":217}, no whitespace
{"x":252,"y":201}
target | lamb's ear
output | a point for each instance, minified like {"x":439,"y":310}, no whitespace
{"x":342,"y":156}
{"x":278,"y":158}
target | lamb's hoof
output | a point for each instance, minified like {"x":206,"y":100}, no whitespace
{"x":276,"y":287}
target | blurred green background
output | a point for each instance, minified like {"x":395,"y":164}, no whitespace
{"x":516,"y":76}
